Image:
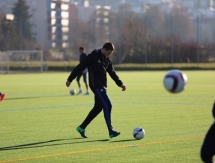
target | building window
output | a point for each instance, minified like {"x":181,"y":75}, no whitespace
{"x":64,"y":7}
{"x":65,"y":14}
{"x":65,"y":45}
{"x":65,"y":37}
{"x":106,"y":13}
{"x":65,"y":22}
{"x":65,"y":29}
{"x":53,"y":29}
{"x":53,"y":5}
{"x":53,"y":44}
{"x":53,"y":13}
{"x":106,"y":20}
{"x":53,"y":21}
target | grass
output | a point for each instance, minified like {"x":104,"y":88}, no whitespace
{"x":64,"y":65}
{"x":38,"y":120}
{"x":166,"y":65}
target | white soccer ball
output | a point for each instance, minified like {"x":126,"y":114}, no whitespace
{"x":72,"y":92}
{"x":175,"y":81}
{"x":138,"y":133}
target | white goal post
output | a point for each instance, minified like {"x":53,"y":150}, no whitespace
{"x":24,"y":60}
{"x":3,"y":62}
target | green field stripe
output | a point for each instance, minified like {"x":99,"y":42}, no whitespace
{"x":115,"y":103}
{"x":101,"y":149}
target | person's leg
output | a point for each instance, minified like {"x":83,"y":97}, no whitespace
{"x":92,"y":114}
{"x":208,"y":146}
{"x":79,"y":84}
{"x":86,"y":84}
{"x":102,"y":96}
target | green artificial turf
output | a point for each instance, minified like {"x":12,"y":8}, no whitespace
{"x":38,"y":119}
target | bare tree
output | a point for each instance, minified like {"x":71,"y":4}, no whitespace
{"x":178,"y":19}
{"x":81,"y":34}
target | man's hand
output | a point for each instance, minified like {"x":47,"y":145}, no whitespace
{"x":68,"y":83}
{"x":123,"y":87}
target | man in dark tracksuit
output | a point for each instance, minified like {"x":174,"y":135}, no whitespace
{"x":83,"y":73}
{"x":208,"y":146}
{"x":98,"y":63}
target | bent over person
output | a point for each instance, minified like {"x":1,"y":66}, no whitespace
{"x":98,"y":63}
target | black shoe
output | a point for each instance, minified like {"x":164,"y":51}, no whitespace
{"x":114,"y":134}
{"x":81,"y":132}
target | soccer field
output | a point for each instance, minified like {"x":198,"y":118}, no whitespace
{"x":38,"y":119}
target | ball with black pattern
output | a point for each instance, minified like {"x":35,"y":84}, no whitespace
{"x":138,"y":133}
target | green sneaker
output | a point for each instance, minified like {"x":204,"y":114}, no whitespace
{"x":114,"y":134}
{"x":81,"y":132}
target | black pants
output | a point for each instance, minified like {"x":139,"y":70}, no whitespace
{"x":208,"y":146}
{"x":102,"y":102}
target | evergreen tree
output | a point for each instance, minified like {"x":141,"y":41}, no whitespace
{"x":9,"y":35}
{"x":22,"y":19}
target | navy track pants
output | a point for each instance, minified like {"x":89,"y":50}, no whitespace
{"x":102,"y":102}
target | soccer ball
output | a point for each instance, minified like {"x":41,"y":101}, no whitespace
{"x":138,"y":133}
{"x":72,"y":92}
{"x":175,"y":81}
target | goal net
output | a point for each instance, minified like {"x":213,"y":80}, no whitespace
{"x":22,"y":61}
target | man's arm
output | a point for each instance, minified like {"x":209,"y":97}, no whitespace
{"x":115,"y":77}
{"x":88,"y":61}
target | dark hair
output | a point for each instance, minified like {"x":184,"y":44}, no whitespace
{"x":108,"y":46}
{"x":81,"y":48}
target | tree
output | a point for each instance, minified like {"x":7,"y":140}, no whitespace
{"x":155,"y":19}
{"x":128,"y":35}
{"x":179,"y":23}
{"x":22,"y":19}
{"x":9,"y":36}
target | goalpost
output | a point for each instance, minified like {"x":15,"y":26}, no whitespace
{"x":3,"y":62}
{"x":24,"y":61}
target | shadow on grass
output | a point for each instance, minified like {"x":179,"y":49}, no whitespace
{"x":33,"y":97}
{"x":117,"y":141}
{"x":46,"y":144}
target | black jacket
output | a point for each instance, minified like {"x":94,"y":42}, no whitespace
{"x":97,"y":65}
